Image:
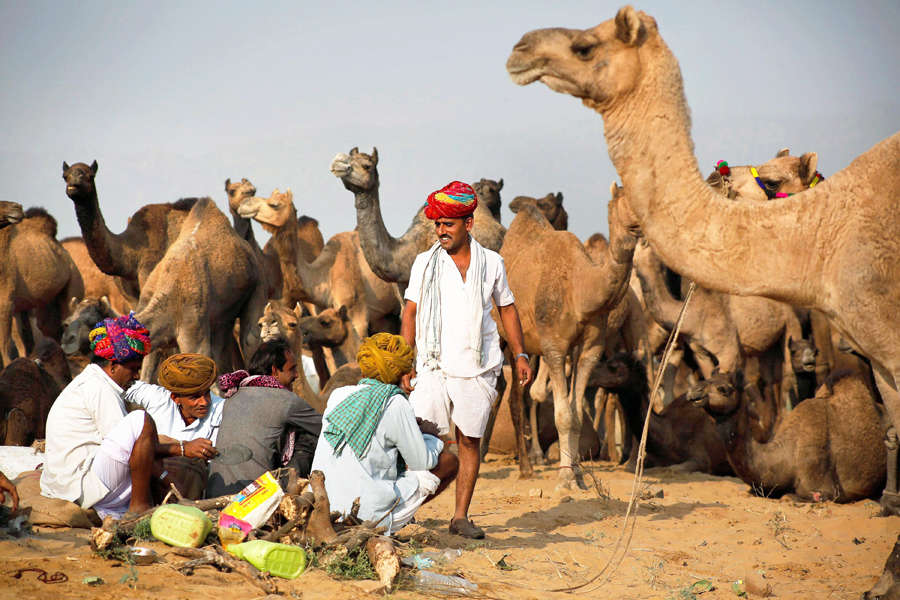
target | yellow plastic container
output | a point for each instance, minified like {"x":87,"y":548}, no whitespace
{"x":280,"y":560}
{"x":176,"y":525}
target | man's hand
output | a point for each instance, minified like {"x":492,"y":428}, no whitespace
{"x":428,"y":427}
{"x":200,"y":448}
{"x":406,"y":382}
{"x":523,"y":371}
{"x":7,"y":486}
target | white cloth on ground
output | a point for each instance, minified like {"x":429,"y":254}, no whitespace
{"x":375,"y":479}
{"x":110,"y":465}
{"x":456,"y":323}
{"x":83,"y":414}
{"x":467,"y":401}
{"x":158,"y":403}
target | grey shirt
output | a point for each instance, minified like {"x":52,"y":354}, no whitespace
{"x":256,"y":417}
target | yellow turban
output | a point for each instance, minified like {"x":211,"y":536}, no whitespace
{"x":187,"y":374}
{"x":385,"y":357}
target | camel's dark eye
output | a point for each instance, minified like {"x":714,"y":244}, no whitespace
{"x":724,"y":390}
{"x":583,"y":51}
{"x":292,"y":325}
{"x":771,"y":185}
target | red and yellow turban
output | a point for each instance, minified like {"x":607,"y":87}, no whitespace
{"x":120,"y":339}
{"x":454,"y":200}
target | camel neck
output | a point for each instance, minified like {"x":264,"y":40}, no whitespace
{"x":109,"y":251}
{"x":733,"y":247}
{"x":302,"y":280}
{"x":379,"y":247}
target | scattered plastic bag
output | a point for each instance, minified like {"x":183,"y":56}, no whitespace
{"x":249,"y":509}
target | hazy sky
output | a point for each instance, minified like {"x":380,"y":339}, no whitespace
{"x":172,"y":98}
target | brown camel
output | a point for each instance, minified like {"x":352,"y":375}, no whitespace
{"x":195,"y":274}
{"x":833,"y":248}
{"x":392,"y":258}
{"x":784,"y":174}
{"x":339,"y":275}
{"x":82,"y":317}
{"x":236,"y":193}
{"x":97,"y":283}
{"x":331,"y":328}
{"x":828,"y":448}
{"x":564,"y":299}
{"x":38,"y":276}
{"x":488,"y":193}
{"x":550,"y":205}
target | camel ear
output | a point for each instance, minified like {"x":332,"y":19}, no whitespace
{"x":73,"y":302}
{"x":808,"y":164}
{"x":268,"y":308}
{"x":558,"y":198}
{"x":783,"y":152}
{"x":715,"y":370}
{"x":342,"y":312}
{"x":104,"y":304}
{"x":629,"y":27}
{"x":289,"y":194}
{"x":500,"y":184}
{"x":374,"y":155}
{"x":298,"y":310}
{"x":354,"y":151}
{"x":94,"y":167}
{"x":65,"y":167}
{"x":227,"y":183}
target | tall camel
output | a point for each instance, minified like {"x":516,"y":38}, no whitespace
{"x":564,"y":299}
{"x":37,"y":274}
{"x":339,"y":275}
{"x":97,"y":283}
{"x":834,"y":248}
{"x":196,"y":276}
{"x":236,"y":193}
{"x":392,"y":258}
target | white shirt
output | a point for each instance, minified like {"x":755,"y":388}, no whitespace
{"x":158,"y":403}
{"x":457,"y":354}
{"x":82,"y":415}
{"x":374,"y":479}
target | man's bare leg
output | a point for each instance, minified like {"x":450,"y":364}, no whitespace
{"x":141,"y":465}
{"x":469,"y":465}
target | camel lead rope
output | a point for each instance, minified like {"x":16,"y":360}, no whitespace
{"x":631,"y":511}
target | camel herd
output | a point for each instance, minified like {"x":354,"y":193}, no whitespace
{"x":786,"y":371}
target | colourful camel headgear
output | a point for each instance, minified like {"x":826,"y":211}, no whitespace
{"x":454,"y":200}
{"x":120,"y":339}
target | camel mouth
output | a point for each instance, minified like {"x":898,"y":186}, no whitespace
{"x":524,"y":75}
{"x":809,"y":367}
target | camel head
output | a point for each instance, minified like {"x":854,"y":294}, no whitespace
{"x":329,"y":328}
{"x":779,"y":177}
{"x":79,"y":180}
{"x":237,"y":192}
{"x":272,"y":212}
{"x":10,"y":213}
{"x":488,"y":193}
{"x":550,"y":206}
{"x":613,"y":373}
{"x":82,"y":317}
{"x":280,"y":322}
{"x":803,"y":355}
{"x":717,"y":394}
{"x":357,"y":170}
{"x":597,"y":65}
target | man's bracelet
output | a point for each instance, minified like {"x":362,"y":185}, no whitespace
{"x":522,"y":354}
{"x":162,"y":476}
{"x":182,"y":447}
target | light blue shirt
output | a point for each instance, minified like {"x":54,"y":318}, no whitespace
{"x":374,"y":479}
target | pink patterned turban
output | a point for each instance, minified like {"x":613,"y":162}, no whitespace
{"x":456,"y":199}
{"x":120,"y":339}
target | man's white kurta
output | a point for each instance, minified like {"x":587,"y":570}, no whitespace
{"x":158,"y":403}
{"x":457,"y":355}
{"x":83,"y":414}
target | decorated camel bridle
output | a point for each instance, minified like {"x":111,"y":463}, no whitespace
{"x":725,"y":171}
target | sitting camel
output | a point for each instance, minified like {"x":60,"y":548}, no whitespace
{"x":392,"y":258}
{"x":833,"y":249}
{"x":196,"y":276}
{"x":828,"y":448}
{"x":339,"y":276}
{"x":38,"y":276}
{"x":564,"y":299}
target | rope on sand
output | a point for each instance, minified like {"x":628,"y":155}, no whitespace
{"x":631,"y":512}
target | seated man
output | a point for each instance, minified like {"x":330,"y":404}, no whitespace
{"x":185,"y":413}
{"x":97,"y":455}
{"x":262,"y":413}
{"x":369,"y":428}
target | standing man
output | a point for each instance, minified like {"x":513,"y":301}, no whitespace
{"x":447,"y":315}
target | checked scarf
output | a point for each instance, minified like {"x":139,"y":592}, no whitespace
{"x":353,"y":421}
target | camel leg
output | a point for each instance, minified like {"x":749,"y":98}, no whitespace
{"x":890,"y":498}
{"x":537,"y":454}
{"x":6,"y":321}
{"x":665,"y":395}
{"x":562,"y":412}
{"x":516,"y":412}
{"x":489,"y":429}
{"x":616,"y":430}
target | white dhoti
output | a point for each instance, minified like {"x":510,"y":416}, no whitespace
{"x":107,"y":485}
{"x":467,"y":401}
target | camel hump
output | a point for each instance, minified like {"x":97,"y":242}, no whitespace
{"x":185,"y":204}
